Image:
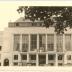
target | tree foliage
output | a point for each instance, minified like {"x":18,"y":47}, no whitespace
{"x":59,"y":17}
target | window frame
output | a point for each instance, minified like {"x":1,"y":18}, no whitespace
{"x":15,"y":57}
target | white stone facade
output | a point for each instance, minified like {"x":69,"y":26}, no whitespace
{"x":50,"y":49}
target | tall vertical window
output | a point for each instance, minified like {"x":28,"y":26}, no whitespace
{"x":33,"y":45}
{"x":42,"y":60}
{"x":33,"y":57}
{"x":0,"y":48}
{"x":23,"y":57}
{"x":16,"y":42}
{"x":60,"y":57}
{"x":59,"y":43}
{"x":68,"y":42}
{"x":68,"y":57}
{"x":50,"y":42}
{"x":15,"y":57}
{"x":25,"y":43}
{"x":42,"y":42}
{"x":51,"y":57}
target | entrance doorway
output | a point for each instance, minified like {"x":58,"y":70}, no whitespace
{"x":6,"y":62}
{"x":42,"y":60}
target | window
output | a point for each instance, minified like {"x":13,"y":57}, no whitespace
{"x":34,"y":24}
{"x":6,"y":62}
{"x":0,"y":48}
{"x":42,"y":60}
{"x":25,"y":43}
{"x":68,"y":42}
{"x":0,"y":64}
{"x":51,"y":64}
{"x":15,"y":57}
{"x":50,"y":42}
{"x":59,"y":43}
{"x":33,"y":42}
{"x":60,"y":64}
{"x":42,"y":42}
{"x":51,"y":57}
{"x":15,"y":63}
{"x":16,"y":42}
{"x":60,"y":57}
{"x":68,"y":57}
{"x":33,"y":64}
{"x":17,"y":24}
{"x":32,"y":57}
{"x":24,"y":57}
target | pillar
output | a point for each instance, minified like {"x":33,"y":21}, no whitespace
{"x":46,"y":44}
{"x":29,"y":43}
{"x":64,"y":43}
{"x":47,"y":59}
{"x":55,"y":48}
{"x":37,"y":42}
{"x":56,"y":60}
{"x":27,"y":57}
{"x":37,"y":60}
{"x":21,"y":43}
{"x":20,"y":61}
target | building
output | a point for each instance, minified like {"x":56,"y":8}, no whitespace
{"x":26,"y":43}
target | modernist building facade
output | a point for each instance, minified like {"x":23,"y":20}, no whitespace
{"x":25,"y":43}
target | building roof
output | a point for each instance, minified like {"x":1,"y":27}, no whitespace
{"x":22,"y":19}
{"x":22,"y":22}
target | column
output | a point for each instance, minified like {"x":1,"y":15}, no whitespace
{"x":46,"y":51}
{"x":12,"y":43}
{"x":65,"y":59}
{"x":37,"y":60}
{"x":29,"y":43}
{"x":64,"y":43}
{"x":46,"y":44}
{"x":12,"y":46}
{"x":27,"y":57}
{"x":55,"y":48}
{"x":21,"y":43}
{"x":20,"y":61}
{"x":37,"y":42}
{"x":56,"y":60}
{"x":47,"y":59}
{"x":64,"y":49}
{"x":71,"y":42}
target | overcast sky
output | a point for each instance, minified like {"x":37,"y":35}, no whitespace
{"x":7,"y":13}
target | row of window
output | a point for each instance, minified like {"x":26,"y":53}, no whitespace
{"x":33,"y":57}
{"x":42,"y":42}
{"x":27,"y":24}
{"x":41,"y":59}
{"x":34,"y":64}
{"x":50,"y":57}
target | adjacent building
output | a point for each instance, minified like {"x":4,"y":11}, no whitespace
{"x":25,"y":43}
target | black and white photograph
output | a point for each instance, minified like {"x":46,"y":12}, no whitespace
{"x":41,"y":37}
{"x":35,"y":37}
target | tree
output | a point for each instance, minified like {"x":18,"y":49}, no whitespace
{"x":59,"y":17}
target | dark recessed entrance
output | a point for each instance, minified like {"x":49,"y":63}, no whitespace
{"x":42,"y":60}
{"x":6,"y":62}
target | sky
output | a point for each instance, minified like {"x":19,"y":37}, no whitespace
{"x":8,"y":13}
{"x":8,"y":9}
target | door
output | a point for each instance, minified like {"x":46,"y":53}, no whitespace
{"x":6,"y":62}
